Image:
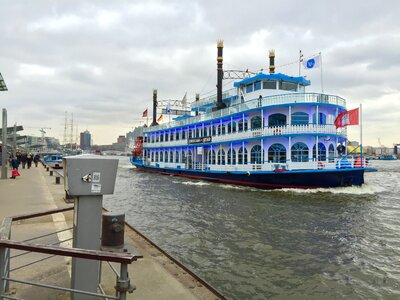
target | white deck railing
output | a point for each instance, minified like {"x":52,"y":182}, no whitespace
{"x":243,"y":107}
{"x":267,"y":166}
{"x":254,"y":133}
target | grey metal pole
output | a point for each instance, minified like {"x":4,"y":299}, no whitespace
{"x":4,"y":148}
{"x":15,"y":140}
{"x":2,"y":271}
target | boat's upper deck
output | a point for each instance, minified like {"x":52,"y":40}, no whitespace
{"x":255,"y":103}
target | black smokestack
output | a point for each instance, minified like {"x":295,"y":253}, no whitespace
{"x":220,"y":74}
{"x":271,"y":61}
{"x":197,"y":99}
{"x":154,"y":108}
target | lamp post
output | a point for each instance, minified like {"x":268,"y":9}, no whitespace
{"x":3,"y":87}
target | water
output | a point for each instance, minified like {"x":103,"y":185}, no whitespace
{"x":282,"y":244}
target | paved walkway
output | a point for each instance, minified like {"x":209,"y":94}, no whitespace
{"x":155,"y":276}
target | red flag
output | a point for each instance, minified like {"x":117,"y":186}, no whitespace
{"x":160,"y":118}
{"x":349,"y":117}
{"x":145,"y":113}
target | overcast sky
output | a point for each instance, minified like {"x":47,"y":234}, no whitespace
{"x":100,"y":60}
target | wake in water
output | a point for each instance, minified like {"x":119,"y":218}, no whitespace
{"x":366,"y":189}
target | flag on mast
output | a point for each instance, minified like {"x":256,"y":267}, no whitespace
{"x":145,"y":113}
{"x":160,"y":118}
{"x":313,"y":62}
{"x":168,"y":108}
{"x":349,"y":117}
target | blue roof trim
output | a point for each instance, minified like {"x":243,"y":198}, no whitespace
{"x":278,"y":76}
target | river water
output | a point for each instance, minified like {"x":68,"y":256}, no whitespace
{"x":341,"y":243}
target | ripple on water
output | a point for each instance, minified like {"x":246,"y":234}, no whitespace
{"x":285,"y":244}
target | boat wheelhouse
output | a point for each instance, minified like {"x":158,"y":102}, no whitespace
{"x":266,"y":132}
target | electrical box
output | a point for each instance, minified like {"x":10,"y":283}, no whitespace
{"x":87,"y":174}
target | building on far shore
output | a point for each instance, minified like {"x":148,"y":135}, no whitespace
{"x":85,"y":140}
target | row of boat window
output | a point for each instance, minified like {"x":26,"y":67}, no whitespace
{"x":278,"y":119}
{"x":271,"y":85}
{"x":275,"y":153}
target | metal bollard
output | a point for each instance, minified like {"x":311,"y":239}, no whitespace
{"x":58,"y":178}
{"x":51,"y":173}
{"x":112,"y":230}
{"x":47,"y":169}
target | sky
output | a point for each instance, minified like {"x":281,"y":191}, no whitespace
{"x":100,"y":60}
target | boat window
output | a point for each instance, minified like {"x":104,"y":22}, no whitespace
{"x":189,"y":133}
{"x":256,"y":155}
{"x":223,"y":129}
{"x":233,"y":127}
{"x":183,"y":157}
{"x":219,"y":129}
{"x":162,"y":137}
{"x":166,"y":156}
{"x":299,"y":152}
{"x":171,"y":136}
{"x":177,"y":135}
{"x":242,"y":125}
{"x":299,"y":118}
{"x":255,"y":122}
{"x":152,"y":156}
{"x":211,"y":156}
{"x":331,"y":153}
{"x":269,"y":85}
{"x":171,"y":156}
{"x":287,"y":86}
{"x":183,"y":134}
{"x":242,"y":156}
{"x":204,"y":131}
{"x":221,"y":157}
{"x":321,"y":119}
{"x":157,"y":138}
{"x":177,"y":156}
{"x":161,"y":156}
{"x":197,"y":132}
{"x":277,"y":120}
{"x":213,"y":130}
{"x":249,"y":88}
{"x":277,"y":153}
{"x":231,"y":156}
{"x":321,"y":152}
{"x":257,"y":85}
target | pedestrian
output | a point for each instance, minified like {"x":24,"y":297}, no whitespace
{"x":23,"y":160}
{"x":36,"y":159}
{"x":29,"y":159}
{"x":14,"y":165}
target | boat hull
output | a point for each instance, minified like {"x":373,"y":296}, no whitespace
{"x":304,"y":179}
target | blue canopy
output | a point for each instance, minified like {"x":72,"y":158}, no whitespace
{"x":185,"y":116}
{"x":278,"y":76}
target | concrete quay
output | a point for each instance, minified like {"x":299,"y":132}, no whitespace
{"x":156,"y":275}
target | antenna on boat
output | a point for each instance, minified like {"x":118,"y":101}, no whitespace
{"x":220,"y":74}
{"x":271,"y":61}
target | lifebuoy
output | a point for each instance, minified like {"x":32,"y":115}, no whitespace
{"x":321,"y":166}
{"x":341,"y":149}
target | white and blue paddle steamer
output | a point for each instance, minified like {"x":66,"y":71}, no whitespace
{"x":265,"y":132}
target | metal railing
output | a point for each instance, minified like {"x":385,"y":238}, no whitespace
{"x":267,"y":101}
{"x":6,"y":244}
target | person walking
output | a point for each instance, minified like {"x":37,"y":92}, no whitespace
{"x":23,"y":160}
{"x":14,"y":165}
{"x":36,"y":159}
{"x":29,"y":159}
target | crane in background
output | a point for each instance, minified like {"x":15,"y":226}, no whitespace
{"x":42,"y":130}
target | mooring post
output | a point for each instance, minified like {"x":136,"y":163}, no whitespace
{"x":51,"y":173}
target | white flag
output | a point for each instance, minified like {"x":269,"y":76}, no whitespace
{"x":184,"y":100}
{"x":312,"y":62}
{"x":168,"y":109}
